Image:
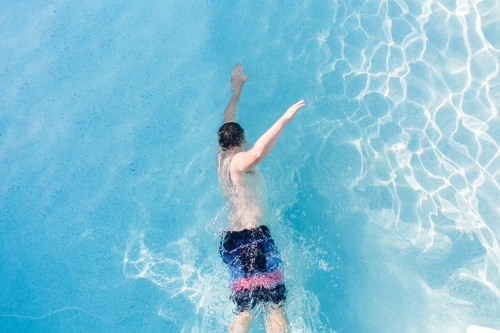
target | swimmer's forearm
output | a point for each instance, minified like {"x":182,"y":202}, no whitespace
{"x":266,"y":142}
{"x":231,"y":112}
{"x":237,"y":82}
{"x":248,"y":160}
{"x":245,"y":161}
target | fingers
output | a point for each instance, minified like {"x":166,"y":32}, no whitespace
{"x":238,"y":68}
{"x":237,"y":73}
{"x":299,"y":104}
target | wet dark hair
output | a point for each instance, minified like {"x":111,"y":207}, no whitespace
{"x":231,"y":135}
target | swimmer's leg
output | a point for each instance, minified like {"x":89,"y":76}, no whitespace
{"x":275,"y":319}
{"x":241,"y":323}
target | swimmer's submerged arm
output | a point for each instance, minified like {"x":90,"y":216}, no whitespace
{"x":245,"y":161}
{"x":237,"y":81}
{"x":231,"y":112}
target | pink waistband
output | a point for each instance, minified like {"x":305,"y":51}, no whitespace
{"x":266,"y":280}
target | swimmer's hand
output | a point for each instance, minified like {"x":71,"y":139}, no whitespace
{"x":237,"y":78}
{"x":292,"y":111}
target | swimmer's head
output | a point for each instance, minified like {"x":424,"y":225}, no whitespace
{"x":231,"y":135}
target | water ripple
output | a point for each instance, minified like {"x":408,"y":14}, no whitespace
{"x":428,"y":76}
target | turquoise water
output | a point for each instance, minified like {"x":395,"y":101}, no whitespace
{"x":383,"y":192}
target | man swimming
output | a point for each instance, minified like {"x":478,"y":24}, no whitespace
{"x":247,"y":247}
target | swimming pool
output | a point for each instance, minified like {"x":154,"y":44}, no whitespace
{"x":383,"y":192}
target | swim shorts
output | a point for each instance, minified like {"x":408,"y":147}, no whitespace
{"x":253,"y":261}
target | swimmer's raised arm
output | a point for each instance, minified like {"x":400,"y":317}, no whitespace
{"x":245,"y":161}
{"x":237,"y":81}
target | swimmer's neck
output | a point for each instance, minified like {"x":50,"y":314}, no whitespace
{"x":234,"y":150}
{"x":242,"y":225}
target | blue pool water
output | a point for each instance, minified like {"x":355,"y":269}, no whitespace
{"x":383,"y":192}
